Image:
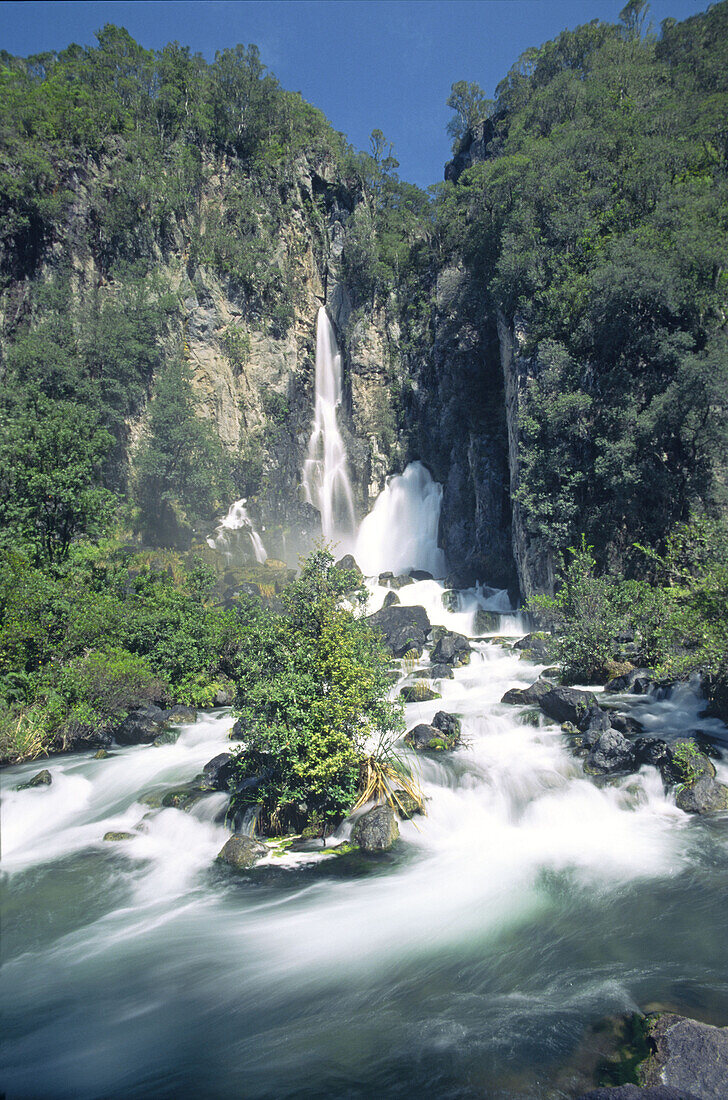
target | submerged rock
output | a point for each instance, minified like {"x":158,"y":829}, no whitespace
{"x":118,"y":836}
{"x":403,"y":629}
{"x":376,"y":830}
{"x":179,"y":715}
{"x":241,"y":852}
{"x":167,"y":737}
{"x":41,"y":779}
{"x":634,"y":1092}
{"x":102,"y":754}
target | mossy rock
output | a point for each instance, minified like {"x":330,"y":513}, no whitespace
{"x":102,"y":754}
{"x":42,"y":779}
{"x":406,"y":805}
{"x":419,"y":692}
{"x":168,"y":737}
{"x":118,"y":836}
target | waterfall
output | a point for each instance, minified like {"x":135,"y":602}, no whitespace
{"x":325,"y":474}
{"x":400,"y":532}
{"x":237,"y":520}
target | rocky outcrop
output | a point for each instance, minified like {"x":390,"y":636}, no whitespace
{"x":688,"y":1056}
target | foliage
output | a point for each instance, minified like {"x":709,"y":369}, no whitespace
{"x":597,"y":226}
{"x":470,"y":104}
{"x":311,"y":694}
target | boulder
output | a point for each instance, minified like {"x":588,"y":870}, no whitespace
{"x":434,"y":672}
{"x":688,"y":1056}
{"x":420,"y":575}
{"x":451,"y":649}
{"x":705,"y":796}
{"x":179,"y":715}
{"x":400,"y":581}
{"x":535,"y":646}
{"x":426,"y":738}
{"x":625,"y":723}
{"x":634,"y":1092}
{"x":102,"y":754}
{"x":385,"y":578}
{"x":637,"y":681}
{"x":595,"y":720}
{"x":241,"y":852}
{"x":391,"y":599}
{"x":611,"y":752}
{"x":141,"y":726}
{"x":166,"y":737}
{"x":402,"y":628}
{"x":41,"y":779}
{"x":406,"y":805}
{"x":184,"y":797}
{"x":349,"y":563}
{"x":419,"y":692}
{"x":449,"y":724}
{"x":566,"y":704}
{"x":218,"y":772}
{"x":376,"y":830}
{"x":652,"y":750}
{"x":529,"y":696}
{"x":486,"y":622}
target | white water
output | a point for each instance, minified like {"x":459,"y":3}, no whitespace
{"x":400,"y":532}
{"x":237,"y":519}
{"x":326,"y":481}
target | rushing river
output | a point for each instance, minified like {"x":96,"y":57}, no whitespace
{"x":470,"y":961}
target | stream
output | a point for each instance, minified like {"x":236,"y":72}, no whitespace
{"x":470,"y":961}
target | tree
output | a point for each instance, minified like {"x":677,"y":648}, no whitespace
{"x":471,"y":105}
{"x":50,"y":459}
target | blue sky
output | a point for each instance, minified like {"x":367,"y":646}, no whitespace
{"x":366,"y":64}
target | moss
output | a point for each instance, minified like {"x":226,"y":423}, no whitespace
{"x":631,"y":1048}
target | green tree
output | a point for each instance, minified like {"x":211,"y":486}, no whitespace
{"x":471,"y":105}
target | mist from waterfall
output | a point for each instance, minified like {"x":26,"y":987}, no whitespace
{"x":400,"y":532}
{"x":326,"y":481}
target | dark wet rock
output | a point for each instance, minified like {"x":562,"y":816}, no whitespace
{"x":638,"y":681}
{"x":652,"y":750}
{"x":119,"y":836}
{"x":451,"y":649}
{"x":528,"y":696}
{"x":349,"y":563}
{"x":405,"y":804}
{"x":449,"y":724}
{"x":376,"y":830}
{"x":179,"y":715}
{"x":420,"y":575}
{"x":595,"y":720}
{"x":611,"y":752}
{"x":391,"y":599}
{"x":451,"y":600}
{"x":141,"y":726}
{"x":385,"y":578}
{"x":102,"y":754}
{"x":634,"y":1092}
{"x":41,"y":779}
{"x":167,"y":737}
{"x":625,"y":723}
{"x":419,"y":692}
{"x":400,"y":581}
{"x":403,"y":629}
{"x":486,"y":622}
{"x":535,"y":646}
{"x":241,"y":852}
{"x":427,"y":738}
{"x":218,"y":772}
{"x":566,"y":704}
{"x":687,"y":1056}
{"x":434,"y":672}
{"x":183,"y":797}
{"x":705,"y":796}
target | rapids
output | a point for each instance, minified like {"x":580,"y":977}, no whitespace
{"x":470,"y":961}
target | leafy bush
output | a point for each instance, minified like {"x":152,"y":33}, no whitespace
{"x":311,"y":696}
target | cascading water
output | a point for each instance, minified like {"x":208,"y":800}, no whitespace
{"x":326,"y":481}
{"x":527,"y":905}
{"x":237,"y":521}
{"x":400,"y":532}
